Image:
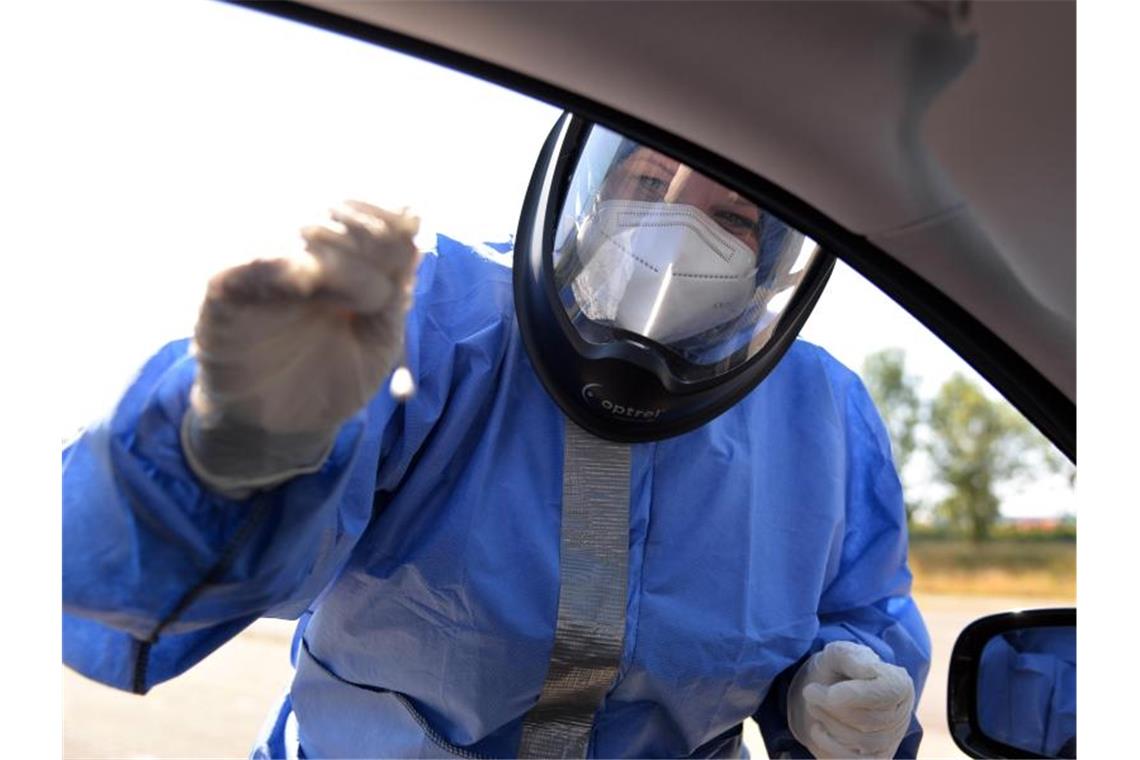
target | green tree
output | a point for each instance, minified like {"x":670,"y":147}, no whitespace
{"x":975,"y":445}
{"x":896,"y":396}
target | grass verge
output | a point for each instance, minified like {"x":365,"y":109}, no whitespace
{"x":995,"y":568}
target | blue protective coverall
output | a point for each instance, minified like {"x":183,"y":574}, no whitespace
{"x":1027,"y":690}
{"x":423,"y":559}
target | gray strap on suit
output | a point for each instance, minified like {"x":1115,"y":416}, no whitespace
{"x":593,"y":563}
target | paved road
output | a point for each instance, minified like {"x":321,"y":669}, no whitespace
{"x":215,"y":710}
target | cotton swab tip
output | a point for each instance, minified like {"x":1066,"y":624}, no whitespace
{"x":402,"y":386}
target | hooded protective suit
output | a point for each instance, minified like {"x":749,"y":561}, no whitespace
{"x":423,"y":558}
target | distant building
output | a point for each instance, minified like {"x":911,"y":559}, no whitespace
{"x":1038,"y":524}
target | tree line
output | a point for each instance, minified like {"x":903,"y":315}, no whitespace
{"x":971,"y":444}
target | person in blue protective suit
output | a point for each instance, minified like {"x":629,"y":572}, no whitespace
{"x":591,"y":530}
{"x":1027,"y":690}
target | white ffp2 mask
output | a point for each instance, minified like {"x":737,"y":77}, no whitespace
{"x":665,"y":271}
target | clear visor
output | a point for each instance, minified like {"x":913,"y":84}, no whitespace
{"x":646,"y":245}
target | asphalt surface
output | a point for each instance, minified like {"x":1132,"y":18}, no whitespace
{"x":216,"y":709}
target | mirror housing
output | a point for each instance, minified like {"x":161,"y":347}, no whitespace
{"x":1012,"y":685}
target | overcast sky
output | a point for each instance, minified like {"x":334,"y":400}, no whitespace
{"x":188,"y":135}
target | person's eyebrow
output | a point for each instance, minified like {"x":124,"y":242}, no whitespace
{"x":659,"y":162}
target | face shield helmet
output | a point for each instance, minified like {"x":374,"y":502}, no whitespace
{"x":650,"y":297}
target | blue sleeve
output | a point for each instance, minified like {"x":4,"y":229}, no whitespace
{"x":158,"y":571}
{"x":867,"y":598}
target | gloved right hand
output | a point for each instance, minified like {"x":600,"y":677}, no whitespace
{"x":846,"y":702}
{"x":290,"y":348}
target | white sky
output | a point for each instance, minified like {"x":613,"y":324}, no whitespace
{"x":184,"y":136}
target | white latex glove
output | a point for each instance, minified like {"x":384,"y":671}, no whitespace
{"x":846,"y":702}
{"x":290,"y":348}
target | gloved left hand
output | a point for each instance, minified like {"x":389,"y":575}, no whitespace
{"x":846,"y":702}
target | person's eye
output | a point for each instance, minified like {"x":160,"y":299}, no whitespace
{"x":734,"y":221}
{"x":651,"y":184}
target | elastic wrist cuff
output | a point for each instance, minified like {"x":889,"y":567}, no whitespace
{"x":235,"y":460}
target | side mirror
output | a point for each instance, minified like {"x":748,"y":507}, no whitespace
{"x":1013,"y":685}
